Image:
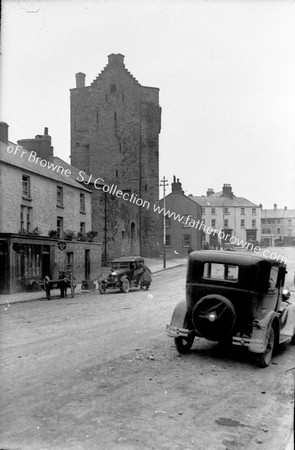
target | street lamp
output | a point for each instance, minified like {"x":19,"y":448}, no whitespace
{"x":164,"y":184}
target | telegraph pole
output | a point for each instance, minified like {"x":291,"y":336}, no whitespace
{"x":164,"y":184}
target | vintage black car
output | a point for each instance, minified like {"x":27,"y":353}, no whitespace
{"x":126,"y":272}
{"x":234,"y":298}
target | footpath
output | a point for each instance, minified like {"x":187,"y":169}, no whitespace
{"x":155,"y":264}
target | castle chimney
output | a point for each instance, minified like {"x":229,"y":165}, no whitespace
{"x":80,"y":79}
{"x":4,"y":132}
{"x":116,"y":60}
{"x":176,"y":186}
{"x":209,"y":192}
{"x":275,"y":206}
{"x":285,"y":208}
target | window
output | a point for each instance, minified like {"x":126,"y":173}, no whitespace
{"x":167,"y":222}
{"x":186,"y":240}
{"x":254,"y":223}
{"x":168,"y":240}
{"x":263,"y":220}
{"x":213,"y":223}
{"x":82,"y":202}
{"x":254,"y":211}
{"x":59,"y":226}
{"x":113,"y":88}
{"x":115,"y":116}
{"x":268,"y":231}
{"x":203,"y":210}
{"x":59,"y":196}
{"x":82,"y":227}
{"x":26,"y":218}
{"x":225,"y":223}
{"x":242,"y":210}
{"x":242,"y":223}
{"x":263,"y":230}
{"x":225,"y":211}
{"x":216,"y":271}
{"x":278,"y":230}
{"x":289,"y":222}
{"x":268,"y":221}
{"x":185,"y":220}
{"x":26,"y":186}
{"x":213,"y":211}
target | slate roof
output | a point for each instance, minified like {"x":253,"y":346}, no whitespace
{"x":22,"y":162}
{"x":278,"y":213}
{"x":218,"y":199}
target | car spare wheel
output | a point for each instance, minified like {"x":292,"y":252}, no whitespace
{"x":214,"y":317}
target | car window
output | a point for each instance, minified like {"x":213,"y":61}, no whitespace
{"x":224,"y":272}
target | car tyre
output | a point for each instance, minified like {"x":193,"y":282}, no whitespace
{"x":184,"y":344}
{"x":102,"y":288}
{"x":264,"y":359}
{"x":125,"y":286}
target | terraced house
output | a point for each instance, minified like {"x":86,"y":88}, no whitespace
{"x":41,"y":205}
{"x":235,"y":216}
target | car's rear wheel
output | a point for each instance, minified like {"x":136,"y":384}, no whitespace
{"x":214,"y":317}
{"x":125,"y":286}
{"x":102,"y":288}
{"x":264,"y":359}
{"x":184,"y":344}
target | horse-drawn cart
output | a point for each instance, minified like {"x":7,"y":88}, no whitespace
{"x":62,"y":283}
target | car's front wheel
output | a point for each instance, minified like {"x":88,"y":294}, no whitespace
{"x":125,"y":286}
{"x":184,"y":344}
{"x":264,"y":359}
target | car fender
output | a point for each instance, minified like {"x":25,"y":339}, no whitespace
{"x":179,"y":316}
{"x":261,"y":330}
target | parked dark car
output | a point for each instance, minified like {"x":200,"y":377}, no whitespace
{"x":234,"y":298}
{"x":126,"y":272}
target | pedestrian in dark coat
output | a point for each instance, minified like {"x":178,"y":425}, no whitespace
{"x":62,"y":284}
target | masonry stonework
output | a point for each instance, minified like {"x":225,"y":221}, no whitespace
{"x":115,"y":126}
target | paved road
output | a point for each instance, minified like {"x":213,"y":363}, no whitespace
{"x":98,"y":372}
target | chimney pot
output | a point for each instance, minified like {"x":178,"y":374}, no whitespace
{"x":46,"y":131}
{"x":4,"y":132}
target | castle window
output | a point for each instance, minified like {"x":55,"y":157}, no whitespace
{"x":145,"y":188}
{"x":115,"y":116}
{"x":117,"y":173}
{"x":168,"y":240}
{"x":82,"y":227}
{"x":113,"y":88}
{"x":59,"y":226}
{"x":253,"y":223}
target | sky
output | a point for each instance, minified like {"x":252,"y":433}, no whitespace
{"x":225,"y":70}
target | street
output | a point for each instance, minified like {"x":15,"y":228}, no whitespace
{"x":98,"y":372}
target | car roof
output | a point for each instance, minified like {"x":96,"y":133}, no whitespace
{"x":238,"y":258}
{"x":128,"y":259}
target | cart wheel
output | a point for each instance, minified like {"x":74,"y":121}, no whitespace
{"x":264,"y":359}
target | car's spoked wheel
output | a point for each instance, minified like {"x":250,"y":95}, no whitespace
{"x":125,"y":286}
{"x":184,"y":344}
{"x":264,"y":359}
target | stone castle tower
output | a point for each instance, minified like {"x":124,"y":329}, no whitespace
{"x":115,"y":126}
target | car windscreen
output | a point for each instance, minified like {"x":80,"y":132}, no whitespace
{"x":222,"y":272}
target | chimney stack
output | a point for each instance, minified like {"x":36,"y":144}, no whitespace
{"x":4,"y":132}
{"x":80,"y":79}
{"x":41,"y":145}
{"x":176,"y":186}
{"x":116,"y":60}
{"x":227,"y":191}
{"x":209,"y":192}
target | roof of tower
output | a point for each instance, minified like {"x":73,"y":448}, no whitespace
{"x":115,"y":61}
